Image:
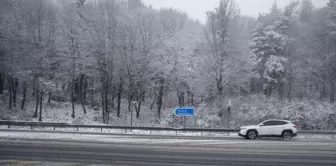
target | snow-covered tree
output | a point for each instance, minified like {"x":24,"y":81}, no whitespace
{"x":218,"y":42}
{"x":332,"y":16}
{"x":270,"y":44}
{"x":306,"y":10}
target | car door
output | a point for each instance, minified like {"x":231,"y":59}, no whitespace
{"x":278,"y":127}
{"x":265,"y":128}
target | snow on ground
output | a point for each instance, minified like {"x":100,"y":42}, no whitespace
{"x":90,"y":137}
{"x":245,"y":111}
{"x":26,"y":136}
{"x":61,"y":113}
{"x":154,"y":132}
{"x":120,"y":131}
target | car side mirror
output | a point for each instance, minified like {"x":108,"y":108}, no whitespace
{"x":261,"y":125}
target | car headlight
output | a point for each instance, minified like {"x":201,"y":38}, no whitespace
{"x":242,"y":130}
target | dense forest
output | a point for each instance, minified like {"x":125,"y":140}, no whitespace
{"x":115,"y":56}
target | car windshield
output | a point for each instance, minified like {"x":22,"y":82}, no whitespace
{"x":261,"y":123}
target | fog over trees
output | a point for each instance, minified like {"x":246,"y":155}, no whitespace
{"x":118,"y":56}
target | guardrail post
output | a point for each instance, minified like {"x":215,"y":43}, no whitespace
{"x":31,"y":126}
{"x":54,"y":128}
{"x":176,"y":132}
{"x":228,"y":133}
{"x":101,"y":129}
{"x":8,"y":125}
{"x":77,"y":128}
{"x":332,"y":136}
{"x":150,"y":131}
{"x":125,"y":130}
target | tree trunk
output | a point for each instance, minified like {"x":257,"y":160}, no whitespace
{"x":73,"y":75}
{"x":311,"y":86}
{"x":81,"y":93}
{"x":138,"y":108}
{"x":49,"y":97}
{"x":252,"y":85}
{"x":159,"y":99}
{"x":85,"y":91}
{"x":80,"y":88}
{"x":290,"y":86}
{"x":85,"y":94}
{"x":73,"y":98}
{"x":2,"y":82}
{"x":280,"y":90}
{"x":190,"y":98}
{"x":113,"y":89}
{"x":10,"y":90}
{"x":130,"y":98}
{"x":228,"y":116}
{"x":305,"y":92}
{"x":34,"y":87}
{"x":37,"y":101}
{"x":180,"y":96}
{"x":106,"y":91}
{"x":219,"y":82}
{"x":83,"y":106}
{"x":24,"y":91}
{"x":332,"y":91}
{"x":103,"y":103}
{"x":41,"y":100}
{"x":92,"y":93}
{"x":119,"y":98}
{"x":15,"y":84}
{"x":323,"y":92}
{"x":182,"y":99}
{"x":151,"y":106}
{"x":259,"y":86}
{"x":143,"y":95}
{"x":268,"y":90}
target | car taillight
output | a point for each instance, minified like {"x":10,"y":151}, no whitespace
{"x":294,"y":126}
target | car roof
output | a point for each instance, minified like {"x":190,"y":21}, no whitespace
{"x":278,"y":120}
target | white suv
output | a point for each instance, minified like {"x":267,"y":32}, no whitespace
{"x":269,"y":128}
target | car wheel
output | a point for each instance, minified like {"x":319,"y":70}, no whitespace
{"x":287,"y":135}
{"x":251,"y":135}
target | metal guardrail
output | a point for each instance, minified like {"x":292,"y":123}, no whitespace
{"x":66,"y":125}
{"x":208,"y":130}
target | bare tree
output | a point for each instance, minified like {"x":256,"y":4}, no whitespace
{"x":217,"y":38}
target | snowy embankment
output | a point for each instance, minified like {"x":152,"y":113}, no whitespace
{"x":82,"y":137}
{"x":111,"y":135}
{"x":61,"y":113}
{"x":308,"y":115}
{"x":118,"y":131}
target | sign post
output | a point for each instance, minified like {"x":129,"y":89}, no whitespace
{"x":184,"y":112}
{"x":132,"y":113}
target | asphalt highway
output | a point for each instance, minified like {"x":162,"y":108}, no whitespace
{"x":147,"y":151}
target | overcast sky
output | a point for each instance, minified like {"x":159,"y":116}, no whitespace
{"x":197,"y":8}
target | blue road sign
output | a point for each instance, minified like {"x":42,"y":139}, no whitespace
{"x":184,"y":111}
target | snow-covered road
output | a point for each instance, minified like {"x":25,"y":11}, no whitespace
{"x":47,"y":148}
